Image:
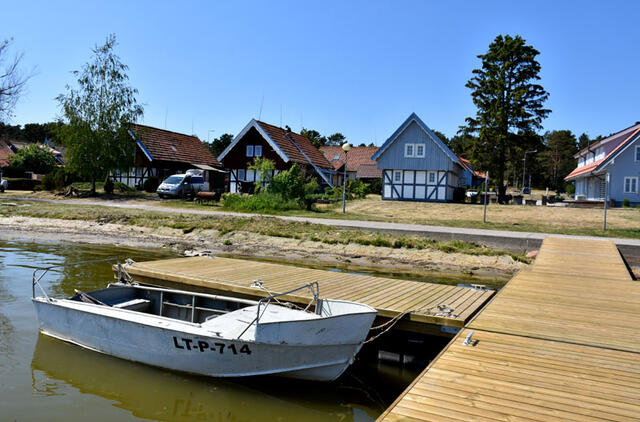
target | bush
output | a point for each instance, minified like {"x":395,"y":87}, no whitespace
{"x":58,"y":179}
{"x":151,"y":184}
{"x":262,"y":202}
{"x":108,"y":186}
{"x":23,"y":184}
{"x":375,"y":186}
{"x":626,"y":203}
{"x":33,"y":158}
{"x":459,"y":195}
{"x":570,"y":188}
{"x":123,"y":187}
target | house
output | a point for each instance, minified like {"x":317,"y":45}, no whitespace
{"x":359,"y":163}
{"x":417,"y":166}
{"x":472,"y":178}
{"x":283,"y":146}
{"x":617,"y":155}
{"x":162,"y":153}
{"x":5,"y":153}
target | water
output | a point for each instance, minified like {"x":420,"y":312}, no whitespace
{"x":46,"y":379}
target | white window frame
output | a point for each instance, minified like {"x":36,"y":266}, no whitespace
{"x":395,"y":174}
{"x":257,"y":150}
{"x":417,"y":155}
{"x":633,"y":182}
{"x":406,"y":150}
{"x":249,"y":151}
{"x":637,"y":156}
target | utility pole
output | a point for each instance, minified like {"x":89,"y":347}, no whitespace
{"x":346,"y":147}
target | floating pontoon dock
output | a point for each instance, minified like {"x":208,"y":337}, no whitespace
{"x":560,"y":342}
{"x":432,"y":308}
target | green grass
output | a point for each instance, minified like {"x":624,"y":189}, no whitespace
{"x":266,"y":226}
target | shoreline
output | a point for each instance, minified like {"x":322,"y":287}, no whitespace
{"x":413,"y":263}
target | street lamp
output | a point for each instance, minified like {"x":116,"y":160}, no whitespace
{"x":209,"y":133}
{"x":524,"y":165}
{"x":346,"y":147}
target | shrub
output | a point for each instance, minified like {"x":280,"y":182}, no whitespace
{"x":626,"y":203}
{"x":58,"y":179}
{"x":375,"y":186}
{"x":123,"y":187}
{"x":108,"y":186}
{"x":570,"y":188}
{"x":33,"y":158}
{"x":151,"y":184}
{"x":263,"y":202}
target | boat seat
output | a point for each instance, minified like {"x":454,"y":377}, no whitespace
{"x":134,"y":305}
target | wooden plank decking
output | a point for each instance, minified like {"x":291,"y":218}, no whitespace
{"x":560,"y":342}
{"x":390,"y":296}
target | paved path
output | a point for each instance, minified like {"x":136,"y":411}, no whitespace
{"x":495,"y":237}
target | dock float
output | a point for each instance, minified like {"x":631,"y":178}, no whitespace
{"x":431,"y":308}
{"x":561,"y":341}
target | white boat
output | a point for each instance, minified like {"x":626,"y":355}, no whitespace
{"x":207,"y":334}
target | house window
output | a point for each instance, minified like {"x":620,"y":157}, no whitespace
{"x":419,"y":150}
{"x":432,"y":178}
{"x":241,"y":175}
{"x":409,"y":150}
{"x":630,"y":185}
{"x":257,"y":151}
{"x":638,"y":153}
{"x":397,"y":176}
{"x":249,"y":150}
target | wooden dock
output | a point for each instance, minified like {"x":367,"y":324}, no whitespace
{"x":390,"y":297}
{"x":560,"y":342}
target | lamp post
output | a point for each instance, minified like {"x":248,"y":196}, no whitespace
{"x":346,"y":147}
{"x":524,"y":165}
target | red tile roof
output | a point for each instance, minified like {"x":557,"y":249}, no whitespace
{"x":615,"y":137}
{"x":622,"y":138}
{"x":356,"y":157}
{"x":368,"y":171}
{"x":5,"y":154}
{"x":171,"y":146}
{"x":467,"y":165}
{"x":291,"y":143}
{"x":584,"y":169}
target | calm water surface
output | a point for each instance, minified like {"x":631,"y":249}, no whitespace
{"x":46,"y":379}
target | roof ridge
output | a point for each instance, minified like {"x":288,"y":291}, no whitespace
{"x":166,"y":130}
{"x":607,"y":137}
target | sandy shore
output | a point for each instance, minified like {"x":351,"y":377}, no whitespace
{"x":252,"y":244}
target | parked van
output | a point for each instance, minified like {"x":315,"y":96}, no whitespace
{"x":181,"y":185}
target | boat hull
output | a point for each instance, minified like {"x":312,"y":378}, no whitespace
{"x":157,"y":343}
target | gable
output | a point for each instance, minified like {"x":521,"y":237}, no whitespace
{"x":436,"y":155}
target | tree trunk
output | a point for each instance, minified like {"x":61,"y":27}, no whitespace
{"x":93,"y":186}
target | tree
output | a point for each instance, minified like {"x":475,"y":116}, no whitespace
{"x":12,"y":80}
{"x":509,"y":104}
{"x":442,"y":136}
{"x":336,"y":139}
{"x":264,"y":169}
{"x":583,"y":141}
{"x":314,"y":137}
{"x":33,"y":158}
{"x":220,"y":144}
{"x":98,"y":114}
{"x":557,"y":157}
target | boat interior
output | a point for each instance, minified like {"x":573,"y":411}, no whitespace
{"x":180,"y":305}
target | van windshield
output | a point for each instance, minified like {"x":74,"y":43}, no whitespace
{"x":173,"y":180}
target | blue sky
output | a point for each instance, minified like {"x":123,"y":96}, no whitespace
{"x":359,"y":68}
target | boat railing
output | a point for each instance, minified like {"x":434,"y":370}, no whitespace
{"x":40,"y":272}
{"x":263,"y":303}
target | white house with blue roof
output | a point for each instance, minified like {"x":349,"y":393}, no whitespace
{"x":417,"y":166}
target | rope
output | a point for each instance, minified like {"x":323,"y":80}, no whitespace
{"x":444,"y":310}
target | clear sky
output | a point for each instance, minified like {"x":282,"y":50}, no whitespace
{"x":354,"y":67}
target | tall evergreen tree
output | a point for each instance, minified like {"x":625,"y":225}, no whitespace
{"x":583,"y":141}
{"x":220,"y":144}
{"x":509,"y":104}
{"x":98,"y":114}
{"x":557,"y":157}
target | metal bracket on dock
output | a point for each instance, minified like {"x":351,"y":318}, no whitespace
{"x":468,"y":340}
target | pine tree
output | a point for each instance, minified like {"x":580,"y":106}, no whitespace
{"x":509,"y":105}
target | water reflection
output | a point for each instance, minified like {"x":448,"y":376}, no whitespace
{"x":153,"y":393}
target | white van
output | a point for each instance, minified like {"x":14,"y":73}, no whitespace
{"x":181,"y":185}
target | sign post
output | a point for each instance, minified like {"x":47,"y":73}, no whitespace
{"x":486,"y":188}
{"x":606,"y":200}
